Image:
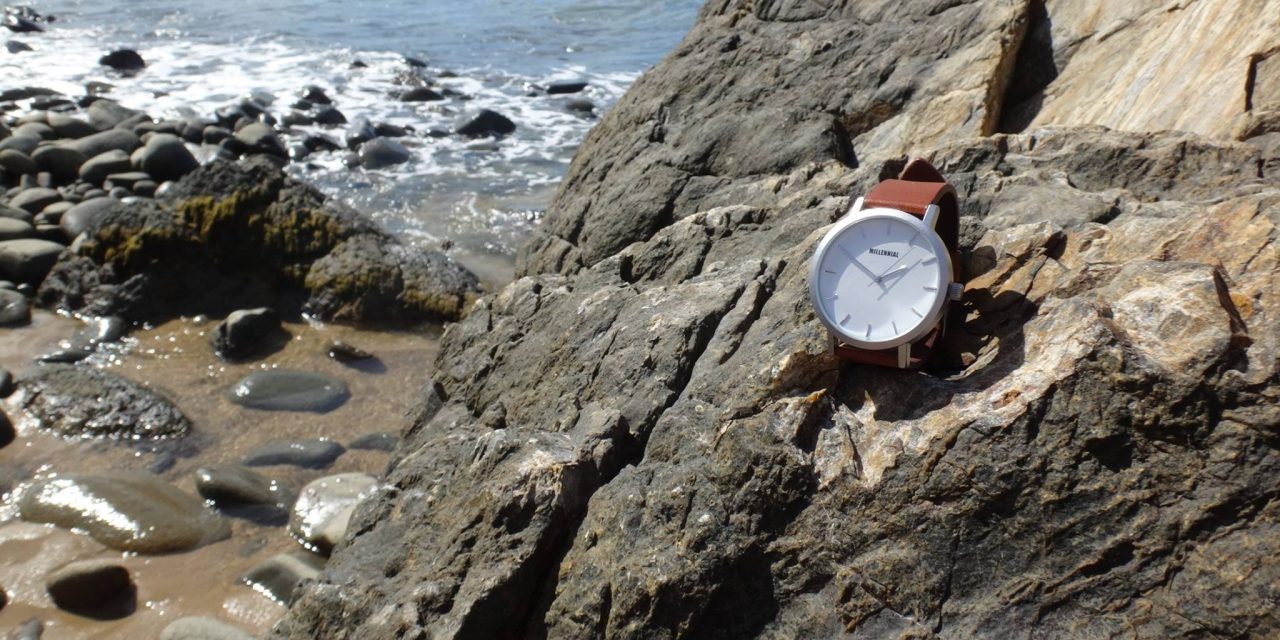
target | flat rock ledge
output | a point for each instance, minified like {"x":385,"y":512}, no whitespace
{"x":238,"y":235}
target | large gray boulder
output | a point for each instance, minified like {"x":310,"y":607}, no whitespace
{"x":240,"y":235}
{"x":646,"y":435}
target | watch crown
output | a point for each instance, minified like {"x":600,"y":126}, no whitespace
{"x":955,"y":291}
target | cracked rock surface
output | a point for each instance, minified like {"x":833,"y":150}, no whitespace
{"x":647,"y":437}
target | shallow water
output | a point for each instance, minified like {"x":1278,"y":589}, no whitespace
{"x":176,"y":359}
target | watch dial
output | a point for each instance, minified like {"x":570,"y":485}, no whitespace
{"x":878,"y":279}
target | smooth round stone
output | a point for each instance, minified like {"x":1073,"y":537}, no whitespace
{"x":323,"y":510}
{"x":123,"y":60}
{"x":69,"y":126}
{"x":166,"y":157}
{"x":16,"y":214}
{"x":330,"y":116}
{"x":483,"y":123}
{"x":285,"y":390}
{"x":564,"y":87}
{"x":7,"y":434}
{"x":278,"y":577}
{"x":125,"y":510}
{"x":311,"y":454}
{"x":38,"y":130}
{"x":202,"y":628}
{"x":90,"y":585}
{"x":29,"y":260}
{"x":259,"y":137}
{"x":376,"y":442}
{"x":343,"y":352}
{"x":97,"y":168}
{"x":78,"y":218}
{"x":580,"y":105}
{"x":19,"y":143}
{"x":110,"y":140}
{"x":17,"y":163}
{"x":383,"y":152}
{"x":244,"y":332}
{"x":62,"y":162}
{"x":420,"y":94}
{"x":360,"y":132}
{"x":126,"y":179}
{"x":99,"y":330}
{"x":14,"y":309}
{"x":11,"y":229}
{"x":32,"y":629}
{"x":235,"y":484}
{"x":36,"y":199}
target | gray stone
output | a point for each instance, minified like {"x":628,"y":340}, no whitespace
{"x":330,"y":116}
{"x":285,"y":390}
{"x":97,"y":168}
{"x":127,"y":511}
{"x":166,"y":157}
{"x":145,"y":188}
{"x":376,"y":442}
{"x":32,"y":629}
{"x":17,"y":46}
{"x":13,"y":229}
{"x":567,"y":86}
{"x":89,"y":585}
{"x":110,"y":140}
{"x":233,"y":484}
{"x":214,"y":134}
{"x":14,"y":310}
{"x":82,"y":216}
{"x":483,"y":123}
{"x":28,"y":261}
{"x":310,"y":454}
{"x":279,"y":576}
{"x":35,"y":199}
{"x":20,"y":143}
{"x":84,"y":401}
{"x":245,"y":332}
{"x":69,"y":126}
{"x":6,"y":383}
{"x":16,"y":163}
{"x":123,"y":60}
{"x":324,"y":507}
{"x":420,"y":94}
{"x":343,"y":352}
{"x":12,"y":213}
{"x":62,"y":162}
{"x":259,"y":137}
{"x":360,"y":132}
{"x":380,"y":153}
{"x":202,"y":628}
{"x":37,"y":130}
{"x":125,"y":180}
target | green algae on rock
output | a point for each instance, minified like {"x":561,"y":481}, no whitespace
{"x":237,"y":235}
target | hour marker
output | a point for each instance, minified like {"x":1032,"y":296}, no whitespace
{"x":829,"y":271}
{"x":918,"y":314}
{"x":888,"y":228}
{"x":863,"y":229}
{"x":846,"y":253}
{"x":868,"y":331}
{"x":846,"y":319}
{"x":832,"y":297}
{"x":930,"y":288}
{"x":895,"y":327}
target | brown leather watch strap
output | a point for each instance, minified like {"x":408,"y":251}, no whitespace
{"x":918,"y":186}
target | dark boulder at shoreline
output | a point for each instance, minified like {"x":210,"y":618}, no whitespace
{"x":123,"y":60}
{"x":240,"y":235}
{"x":646,"y":435}
{"x":84,"y":401}
{"x":483,"y":123}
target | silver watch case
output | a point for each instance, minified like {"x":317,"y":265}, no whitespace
{"x":946,"y":274}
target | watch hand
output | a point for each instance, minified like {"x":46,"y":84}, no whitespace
{"x":903,"y":268}
{"x":910,"y":243}
{"x":898,"y":270}
{"x":858,"y":263}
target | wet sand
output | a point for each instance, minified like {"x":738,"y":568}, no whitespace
{"x":175,"y":359}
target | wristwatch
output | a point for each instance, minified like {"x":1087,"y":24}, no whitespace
{"x":882,"y":279}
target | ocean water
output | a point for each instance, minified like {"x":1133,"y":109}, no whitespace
{"x":482,"y":199}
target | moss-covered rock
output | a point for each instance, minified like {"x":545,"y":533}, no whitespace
{"x":232,"y":235}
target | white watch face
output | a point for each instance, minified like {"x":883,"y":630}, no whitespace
{"x":879,"y":280}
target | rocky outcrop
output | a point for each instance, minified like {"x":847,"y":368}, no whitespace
{"x":647,"y":435}
{"x":88,"y":402}
{"x":236,"y":235}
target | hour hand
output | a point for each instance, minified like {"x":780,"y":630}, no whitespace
{"x":859,"y":264}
